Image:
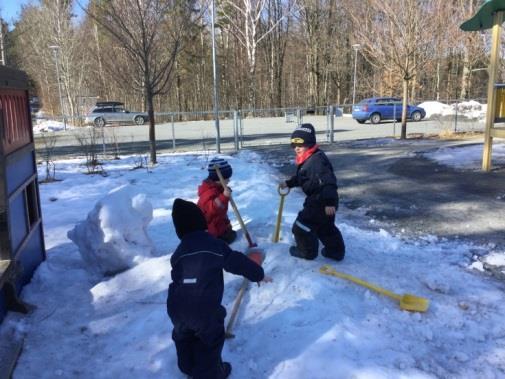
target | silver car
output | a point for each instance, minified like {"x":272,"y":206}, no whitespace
{"x":108,"y":112}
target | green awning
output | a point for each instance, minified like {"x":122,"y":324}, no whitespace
{"x":483,"y":19}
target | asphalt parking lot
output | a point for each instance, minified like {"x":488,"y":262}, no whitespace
{"x":402,"y":191}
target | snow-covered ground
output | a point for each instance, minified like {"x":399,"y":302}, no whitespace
{"x":467,"y":157}
{"x":303,"y":325}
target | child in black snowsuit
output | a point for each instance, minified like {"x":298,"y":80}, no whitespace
{"x":316,"y":221}
{"x":196,"y":291}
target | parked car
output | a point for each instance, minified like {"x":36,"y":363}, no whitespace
{"x":376,"y":109}
{"x":107,"y":112}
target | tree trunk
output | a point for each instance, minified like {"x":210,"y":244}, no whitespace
{"x":437,"y":85}
{"x":465,"y":76}
{"x":152,"y":130}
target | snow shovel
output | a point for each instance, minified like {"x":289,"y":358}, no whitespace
{"x":245,"y":281}
{"x":235,"y":209}
{"x":277,"y":231}
{"x":407,"y":302}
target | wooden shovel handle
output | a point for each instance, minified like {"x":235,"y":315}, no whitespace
{"x":277,"y":230}
{"x":236,"y":305}
{"x":245,"y":281}
{"x":235,"y":209}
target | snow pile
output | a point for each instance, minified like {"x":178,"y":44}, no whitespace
{"x":114,"y":236}
{"x":43,"y":126}
{"x":495,"y":259}
{"x":467,"y":157}
{"x":433,"y":108}
{"x":466,"y":109}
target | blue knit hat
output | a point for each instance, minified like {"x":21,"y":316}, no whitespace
{"x":224,"y":167}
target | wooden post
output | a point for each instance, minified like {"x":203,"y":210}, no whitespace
{"x":491,"y":91}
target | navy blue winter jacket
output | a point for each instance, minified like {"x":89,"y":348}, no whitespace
{"x":316,"y":178}
{"x":197,"y":274}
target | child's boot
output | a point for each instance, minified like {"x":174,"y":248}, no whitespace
{"x":226,"y":367}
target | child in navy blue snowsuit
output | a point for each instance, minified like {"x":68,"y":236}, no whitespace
{"x":196,"y":292}
{"x":316,"y":221}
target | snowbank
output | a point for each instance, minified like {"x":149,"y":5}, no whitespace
{"x":468,"y":109}
{"x":466,"y":157}
{"x":113,"y":237}
{"x":43,"y":126}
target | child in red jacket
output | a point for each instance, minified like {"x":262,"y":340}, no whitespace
{"x":213,"y":201}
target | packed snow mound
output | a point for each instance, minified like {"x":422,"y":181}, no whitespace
{"x":435,"y":108}
{"x":44,"y":126}
{"x":466,"y":109}
{"x":114,"y":236}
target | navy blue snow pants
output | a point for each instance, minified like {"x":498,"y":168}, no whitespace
{"x":199,"y":344}
{"x":312,"y":224}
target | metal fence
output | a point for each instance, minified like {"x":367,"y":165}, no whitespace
{"x":196,"y":131}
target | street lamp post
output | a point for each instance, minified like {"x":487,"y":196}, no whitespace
{"x":55,"y":49}
{"x":216,"y":93}
{"x":356,"y":47}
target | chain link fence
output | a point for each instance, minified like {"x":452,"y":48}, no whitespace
{"x":239,"y":129}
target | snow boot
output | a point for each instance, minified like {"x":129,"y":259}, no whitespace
{"x":295,"y":252}
{"x":332,"y":254}
{"x":226,"y":369}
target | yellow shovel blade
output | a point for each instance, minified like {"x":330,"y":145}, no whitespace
{"x":407,"y":302}
{"x":414,"y":303}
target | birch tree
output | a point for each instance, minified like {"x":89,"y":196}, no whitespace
{"x":244,"y":17}
{"x":50,"y":24}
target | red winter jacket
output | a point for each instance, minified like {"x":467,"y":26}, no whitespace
{"x":215,"y":214}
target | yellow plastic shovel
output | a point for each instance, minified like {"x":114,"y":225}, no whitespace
{"x":407,"y":302}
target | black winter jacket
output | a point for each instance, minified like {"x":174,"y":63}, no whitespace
{"x":197,"y":284}
{"x":316,"y":178}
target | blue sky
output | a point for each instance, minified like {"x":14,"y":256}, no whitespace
{"x":10,"y":9}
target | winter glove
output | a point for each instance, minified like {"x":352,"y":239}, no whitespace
{"x":255,"y":254}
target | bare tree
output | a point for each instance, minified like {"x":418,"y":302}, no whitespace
{"x":244,"y":18}
{"x":150,"y":33}
{"x":88,"y":140}
{"x":275,"y":47}
{"x":49,"y":143}
{"x":395,"y":33}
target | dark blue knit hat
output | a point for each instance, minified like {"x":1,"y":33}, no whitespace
{"x":224,"y":167}
{"x":305,"y":135}
{"x":187,"y":217}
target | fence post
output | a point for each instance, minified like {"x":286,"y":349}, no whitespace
{"x":328,"y":122}
{"x":332,"y":123}
{"x":235,"y":129}
{"x":456,"y":118}
{"x":299,"y":118}
{"x":241,"y":130}
{"x":394,"y":119}
{"x":103,"y":140}
{"x":173,"y":132}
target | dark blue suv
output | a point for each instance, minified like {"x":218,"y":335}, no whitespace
{"x":376,"y":109}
